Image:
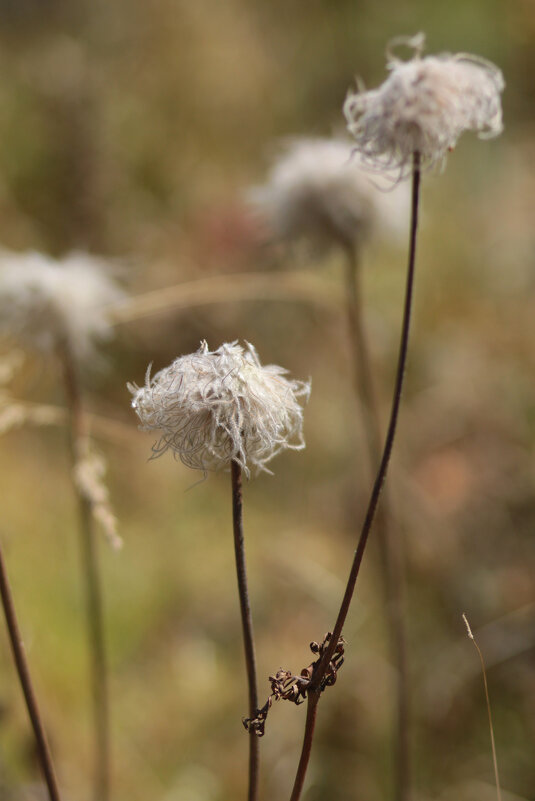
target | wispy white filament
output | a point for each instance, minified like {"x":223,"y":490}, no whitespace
{"x":319,"y":191}
{"x":215,"y":406}
{"x":44,"y":302}
{"x":425,"y":105}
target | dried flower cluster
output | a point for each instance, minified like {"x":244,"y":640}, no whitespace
{"x":216,"y":406}
{"x":286,"y":686}
{"x":318,"y":190}
{"x":425,"y":105}
{"x":45,"y":302}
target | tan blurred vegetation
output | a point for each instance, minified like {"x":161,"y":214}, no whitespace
{"x":132,"y":129}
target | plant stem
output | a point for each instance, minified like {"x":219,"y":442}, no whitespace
{"x":390,"y":546}
{"x":90,"y":569}
{"x":247,"y":623}
{"x":315,"y":683}
{"x":310,"y":725}
{"x":489,"y":713}
{"x":364,"y":385}
{"x":19,"y":654}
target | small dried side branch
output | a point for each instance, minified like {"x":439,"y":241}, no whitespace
{"x":286,"y":686}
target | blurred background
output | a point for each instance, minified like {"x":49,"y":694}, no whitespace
{"x":133,"y":130}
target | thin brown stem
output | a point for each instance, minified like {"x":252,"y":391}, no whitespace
{"x":321,"y":670}
{"x":310,"y":725}
{"x":78,"y":442}
{"x":489,"y":713}
{"x":19,"y":654}
{"x":364,"y":385}
{"x":247,"y":623}
{"x":390,"y":545}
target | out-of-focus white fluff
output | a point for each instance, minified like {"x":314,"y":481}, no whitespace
{"x":425,"y":105}
{"x":318,"y":190}
{"x":216,"y":406}
{"x":44,"y":301}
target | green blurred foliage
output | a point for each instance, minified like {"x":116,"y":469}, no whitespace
{"x":133,"y":129}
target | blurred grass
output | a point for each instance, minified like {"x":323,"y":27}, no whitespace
{"x":134,"y":130}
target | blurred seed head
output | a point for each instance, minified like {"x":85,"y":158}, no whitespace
{"x":216,"y":406}
{"x":89,"y":474}
{"x":44,"y":302}
{"x":319,"y":191}
{"x":425,"y":105}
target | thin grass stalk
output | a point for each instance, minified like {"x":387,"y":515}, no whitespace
{"x":390,"y":546}
{"x":278,"y":286}
{"x":247,"y":623}
{"x":489,"y":713}
{"x":315,"y":683}
{"x":21,"y":663}
{"x":93,"y":590}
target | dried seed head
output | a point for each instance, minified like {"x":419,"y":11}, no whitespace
{"x":215,"y":406}
{"x":319,"y":191}
{"x":44,"y":301}
{"x":89,"y":473}
{"x":425,"y":105}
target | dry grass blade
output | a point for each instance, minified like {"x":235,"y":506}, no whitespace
{"x":491,"y":727}
{"x":18,"y":413}
{"x":294,"y":286}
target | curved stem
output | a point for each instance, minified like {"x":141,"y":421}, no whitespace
{"x":17,"y":647}
{"x":390,"y":546}
{"x":91,"y":572}
{"x":321,"y":670}
{"x":247,"y":623}
{"x":489,"y":713}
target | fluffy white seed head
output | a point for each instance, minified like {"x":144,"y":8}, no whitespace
{"x":319,"y":191}
{"x":45,"y":302}
{"x":425,"y":105}
{"x":215,"y":406}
